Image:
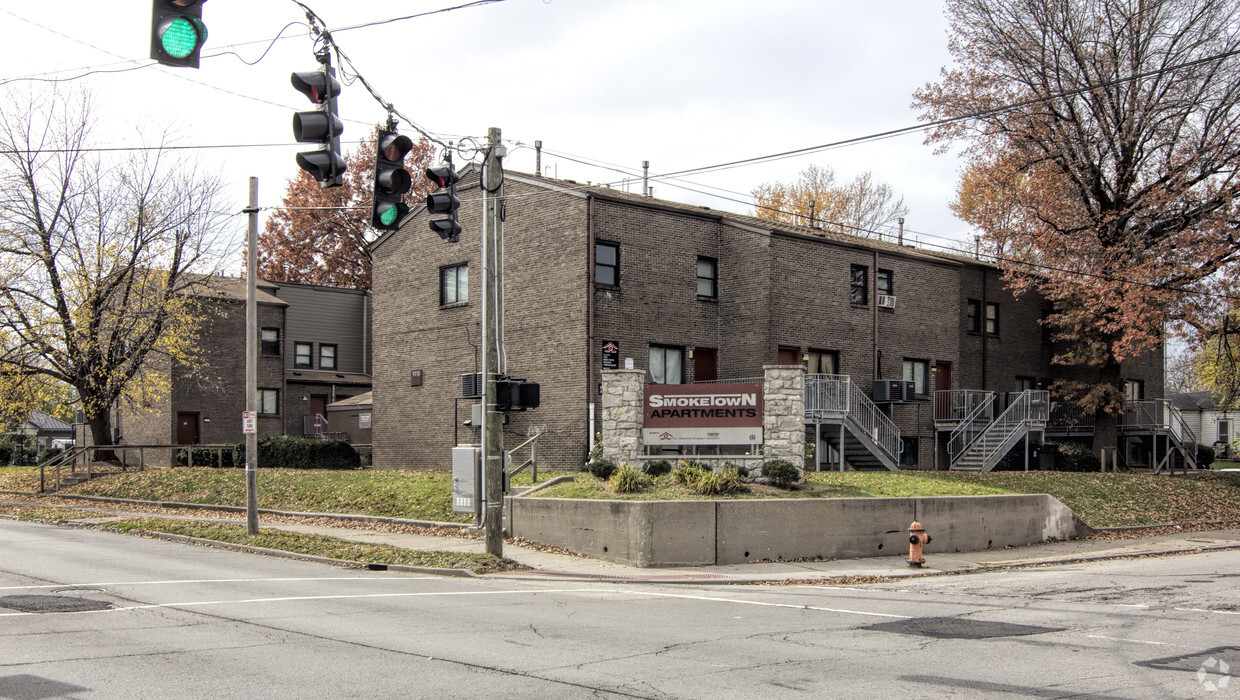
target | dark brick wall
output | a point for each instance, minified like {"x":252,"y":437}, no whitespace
{"x":782,"y":289}
{"x":546,"y":262}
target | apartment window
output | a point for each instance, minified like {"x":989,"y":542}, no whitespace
{"x":1026,"y":383}
{"x":268,"y":402}
{"x":992,"y":319}
{"x":454,"y":284}
{"x":859,"y":285}
{"x":917,"y":372}
{"x":1224,"y":432}
{"x":883,"y":282}
{"x":707,"y":277}
{"x":973,"y":314}
{"x":667,"y":364}
{"x":269,"y":341}
{"x":822,"y":362}
{"x":303,"y":355}
{"x":607,"y":263}
{"x":1134,"y":389}
{"x":327,"y":356}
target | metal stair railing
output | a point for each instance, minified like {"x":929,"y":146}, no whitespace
{"x":1162,"y":416}
{"x":1030,"y":407}
{"x":971,"y":428}
{"x":835,"y":395}
{"x":953,"y":405}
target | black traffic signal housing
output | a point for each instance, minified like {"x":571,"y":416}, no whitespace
{"x":516,"y":394}
{"x":391,"y":180}
{"x":177,"y":32}
{"x":320,"y":126}
{"x":444,"y":201}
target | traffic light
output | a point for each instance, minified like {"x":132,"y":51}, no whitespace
{"x":516,"y":394}
{"x":442,"y":202}
{"x":321,"y":126}
{"x":177,"y":32}
{"x":391,"y":180}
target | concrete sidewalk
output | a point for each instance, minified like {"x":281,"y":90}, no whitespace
{"x":546,"y":565}
{"x":554,"y":566}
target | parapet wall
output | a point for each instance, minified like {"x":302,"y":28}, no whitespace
{"x":689,"y":533}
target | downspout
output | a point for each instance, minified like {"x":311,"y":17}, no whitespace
{"x":874,"y":303}
{"x":591,"y":392}
{"x":982,"y":313}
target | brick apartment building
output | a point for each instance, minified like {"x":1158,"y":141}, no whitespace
{"x":689,"y":294}
{"x":314,"y":349}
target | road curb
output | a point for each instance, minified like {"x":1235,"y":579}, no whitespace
{"x":250,"y":549}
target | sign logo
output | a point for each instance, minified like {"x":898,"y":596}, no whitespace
{"x":716,"y":413}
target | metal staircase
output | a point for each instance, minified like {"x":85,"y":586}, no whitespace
{"x":867,"y":439}
{"x":1160,"y":424}
{"x":978,"y":445}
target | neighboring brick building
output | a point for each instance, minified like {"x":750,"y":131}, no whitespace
{"x":314,"y":349}
{"x":687,"y":293}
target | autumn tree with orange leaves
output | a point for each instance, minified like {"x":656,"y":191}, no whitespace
{"x":1102,"y":139}
{"x":323,"y":236}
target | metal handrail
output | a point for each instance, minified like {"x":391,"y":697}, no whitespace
{"x":532,"y":462}
{"x":1161,"y":415}
{"x":1032,"y":406}
{"x":951,"y":405}
{"x":971,"y":428}
{"x":837,"y":395}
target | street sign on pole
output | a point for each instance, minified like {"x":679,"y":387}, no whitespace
{"x":249,"y":422}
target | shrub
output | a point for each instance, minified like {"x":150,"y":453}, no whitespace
{"x":1205,"y":456}
{"x":707,"y":484}
{"x":657,"y":467}
{"x":602,"y":468}
{"x":781,"y":472}
{"x":207,"y":458}
{"x":629,"y":479}
{"x":300,"y":453}
{"x":696,"y":464}
{"x":730,"y":481}
{"x":688,"y":473}
{"x":1077,"y":457}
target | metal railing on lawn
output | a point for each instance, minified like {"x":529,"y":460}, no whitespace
{"x":532,"y":462}
{"x":85,"y":457}
{"x":1028,"y":409}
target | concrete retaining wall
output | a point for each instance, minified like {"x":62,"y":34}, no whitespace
{"x":680,"y":533}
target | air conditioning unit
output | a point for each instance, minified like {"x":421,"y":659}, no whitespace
{"x":888,"y":391}
{"x":886,"y":301}
{"x":471,"y":385}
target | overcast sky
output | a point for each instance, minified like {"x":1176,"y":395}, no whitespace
{"x":681,"y":83}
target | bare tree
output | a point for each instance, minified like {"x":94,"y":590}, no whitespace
{"x":858,"y":207}
{"x":97,"y":260}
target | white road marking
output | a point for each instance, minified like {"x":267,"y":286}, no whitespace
{"x":427,"y":594}
{"x":1217,"y":612}
{"x":217,"y":580}
{"x":1134,"y":641}
{"x":769,"y":605}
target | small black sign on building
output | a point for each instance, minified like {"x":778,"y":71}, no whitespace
{"x":611,"y":354}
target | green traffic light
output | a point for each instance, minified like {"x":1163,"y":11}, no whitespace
{"x":392,"y":213}
{"x":182,"y":36}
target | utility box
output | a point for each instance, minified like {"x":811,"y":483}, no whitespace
{"x":467,"y":480}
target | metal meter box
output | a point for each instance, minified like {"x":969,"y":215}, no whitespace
{"x":467,"y":479}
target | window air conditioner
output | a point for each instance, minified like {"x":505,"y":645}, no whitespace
{"x":886,"y":301}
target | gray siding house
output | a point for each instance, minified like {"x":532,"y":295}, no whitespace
{"x":314,"y":349}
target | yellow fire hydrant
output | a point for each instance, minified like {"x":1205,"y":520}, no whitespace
{"x":917,"y":537}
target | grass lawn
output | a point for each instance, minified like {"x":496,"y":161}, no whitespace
{"x":317,"y":545}
{"x":1100,"y":500}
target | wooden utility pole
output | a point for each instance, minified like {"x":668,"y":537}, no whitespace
{"x":250,"y":420}
{"x":492,"y":340}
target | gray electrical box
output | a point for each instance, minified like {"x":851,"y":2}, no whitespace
{"x":466,"y":479}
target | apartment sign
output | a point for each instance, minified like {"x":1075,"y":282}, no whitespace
{"x":702,"y":414}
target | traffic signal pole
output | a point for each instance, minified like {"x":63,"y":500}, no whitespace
{"x":492,"y":296}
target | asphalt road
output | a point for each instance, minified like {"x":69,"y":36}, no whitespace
{"x":171,"y":620}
